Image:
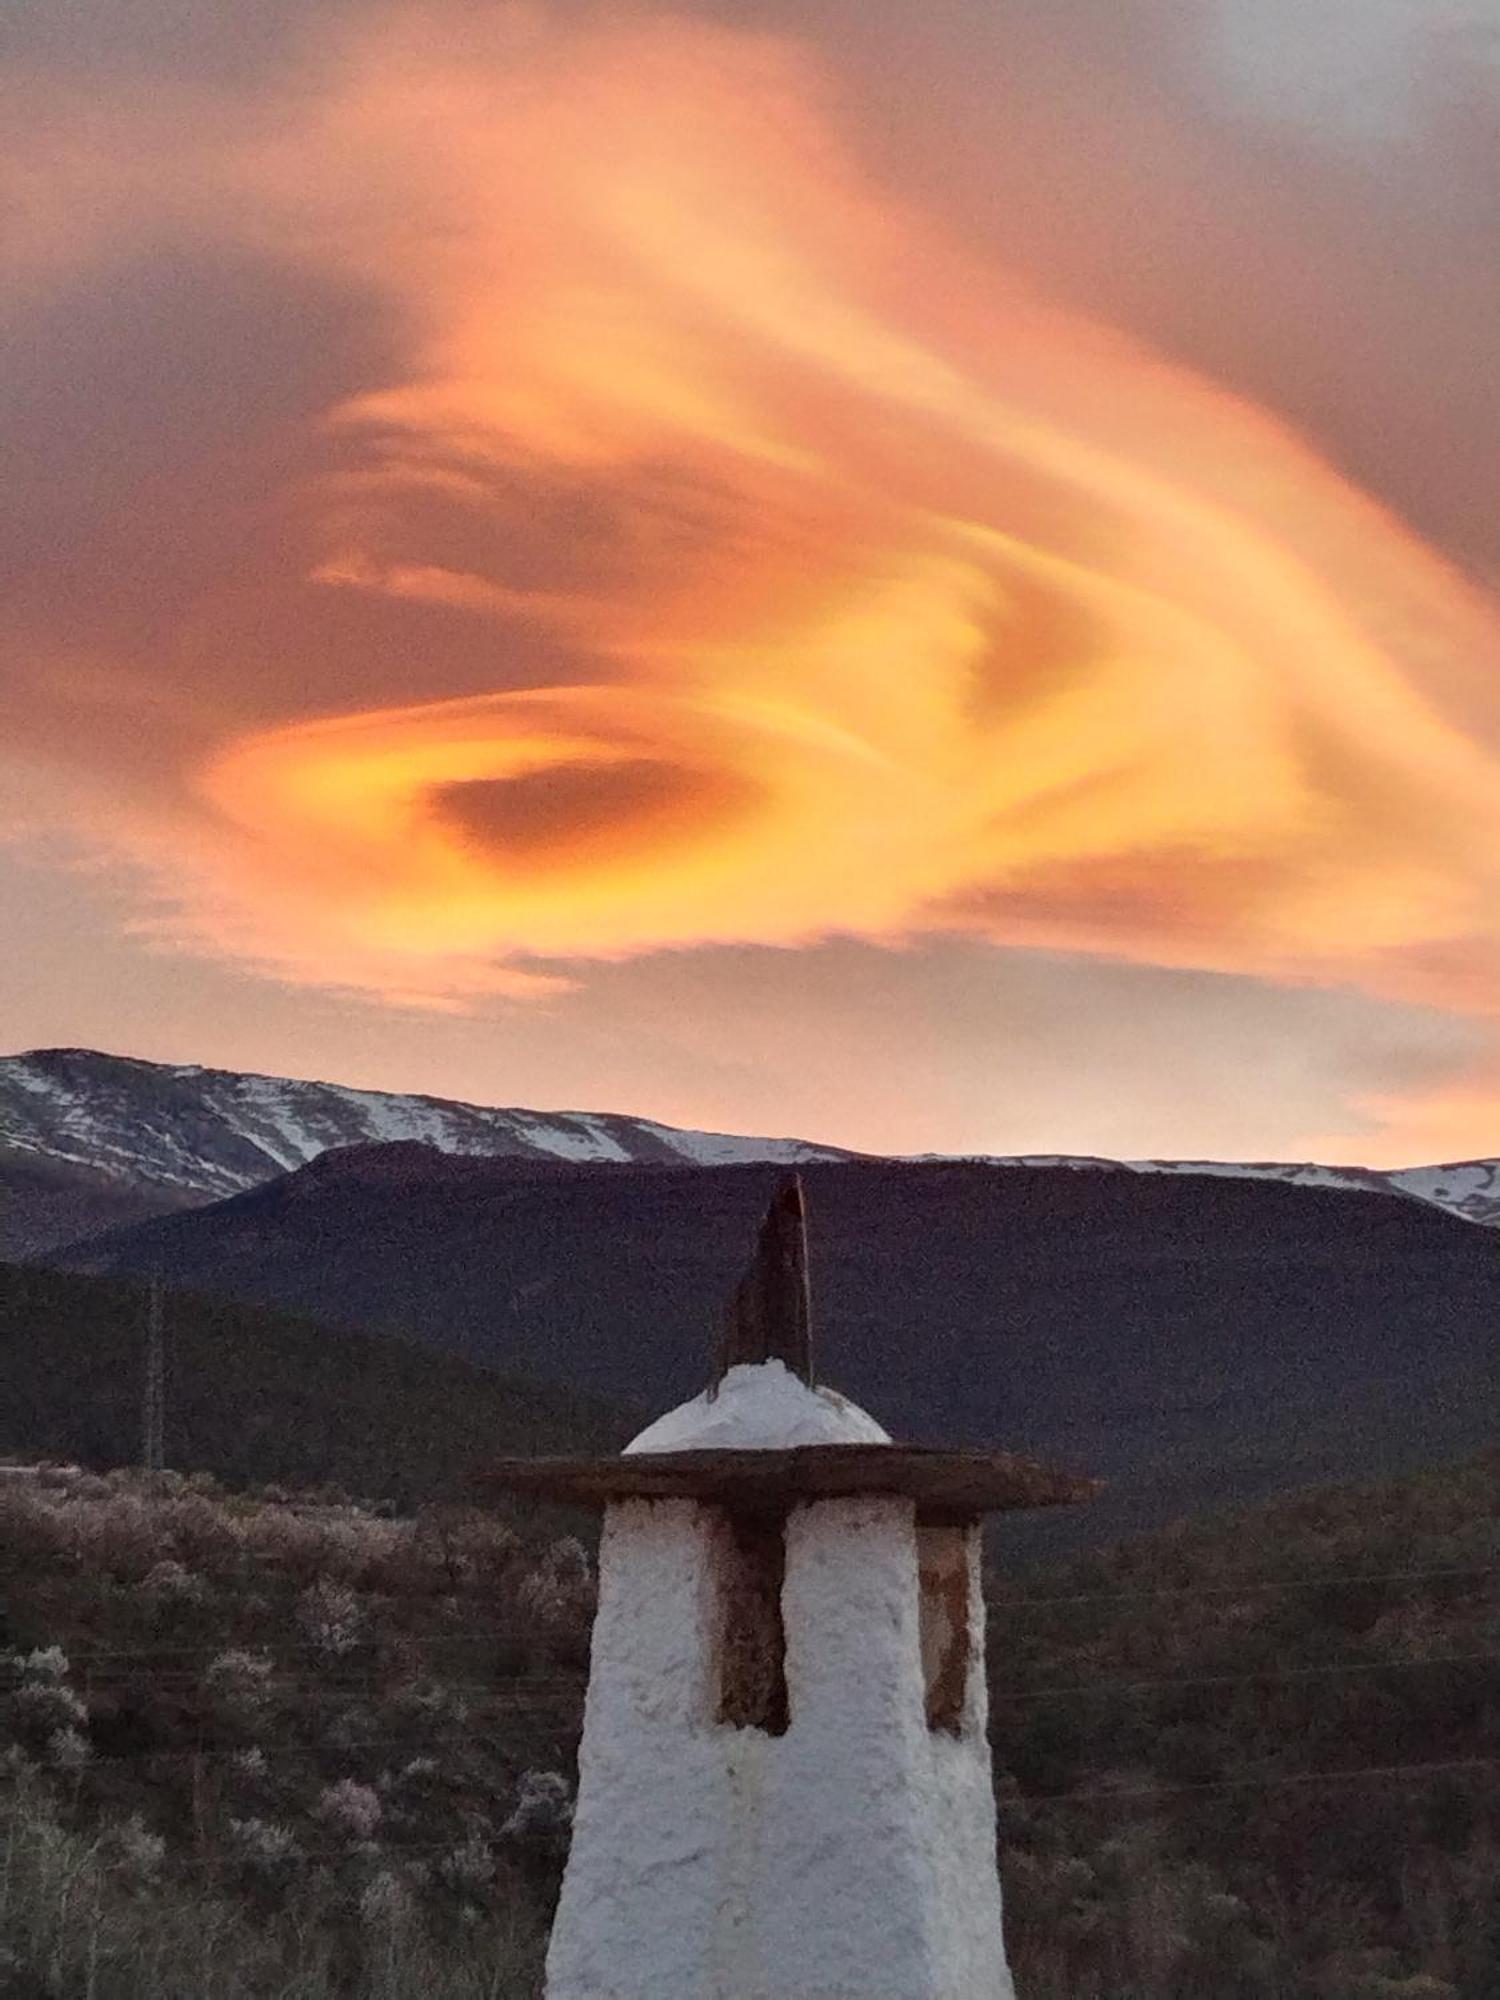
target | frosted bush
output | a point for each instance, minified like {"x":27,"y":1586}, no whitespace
{"x":562,"y":1582}
{"x":330,"y":1618}
{"x":544,"y":1805}
{"x":368,"y":1539}
{"x":351,"y":1808}
{"x":121,"y":1537}
{"x":45,"y":1663}
{"x":238,"y":1684}
{"x":470,"y":1867}
{"x":386,"y":1904}
{"x":170,"y":1582}
{"x":46,"y":1705}
{"x":429,"y":1703}
{"x":236,"y":1667}
{"x":351,"y":1727}
{"x":194,"y":1527}
{"x":30,"y":1528}
{"x":68,"y":1750}
{"x":569,"y":1562}
{"x":275,"y":1538}
{"x":263,"y":1844}
{"x":141,"y":1852}
{"x":337,"y":1547}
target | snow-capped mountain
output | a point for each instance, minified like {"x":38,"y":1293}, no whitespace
{"x":1468,"y":1189}
{"x":211,"y":1132}
{"x":175,"y":1134}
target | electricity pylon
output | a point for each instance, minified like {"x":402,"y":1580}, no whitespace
{"x":154,"y":1399}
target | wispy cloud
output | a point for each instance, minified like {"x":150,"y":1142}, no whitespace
{"x":684,"y":538}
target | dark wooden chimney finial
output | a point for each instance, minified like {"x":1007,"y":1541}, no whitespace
{"x":770,"y":1314}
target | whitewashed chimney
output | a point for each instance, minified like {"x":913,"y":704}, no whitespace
{"x":784,"y":1778}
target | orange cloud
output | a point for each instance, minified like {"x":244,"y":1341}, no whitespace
{"x":924,"y":607}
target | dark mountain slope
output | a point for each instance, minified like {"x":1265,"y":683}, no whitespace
{"x":1193,"y":1340}
{"x":45,"y":1201}
{"x":254,"y":1395}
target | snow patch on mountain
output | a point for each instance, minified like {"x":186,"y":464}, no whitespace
{"x":210,"y":1133}
{"x":1468,"y":1189}
{"x":217,"y":1132}
{"x":724,"y":1149}
{"x":575,"y":1137}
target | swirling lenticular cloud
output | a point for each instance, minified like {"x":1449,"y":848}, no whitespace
{"x":978,"y":617}
{"x":892,"y":600}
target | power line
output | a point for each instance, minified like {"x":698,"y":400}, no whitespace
{"x":153,"y":1410}
{"x":1121,"y":1685}
{"x":135,"y":1661}
{"x":1328,"y":1580}
{"x":227,"y":1861}
{"x":386,"y":1640}
{"x":1107,"y":1794}
{"x":377,"y":1679}
{"x":999,"y":1600}
{"x":1307,"y":1779}
{"x":318,"y":1687}
{"x":311,"y":1753}
{"x":301,"y":1753}
{"x":997,"y":1604}
{"x":313,"y":1686}
{"x":499,"y":1634}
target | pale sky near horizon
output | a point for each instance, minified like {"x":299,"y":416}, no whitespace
{"x":921,"y":577}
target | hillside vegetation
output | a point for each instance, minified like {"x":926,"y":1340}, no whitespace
{"x":1196,"y":1342}
{"x":1261,"y":1756}
{"x":254,"y":1394}
{"x":252,"y":1745}
{"x":264,"y":1746}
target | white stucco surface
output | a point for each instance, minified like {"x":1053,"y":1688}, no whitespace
{"x":760,"y":1406}
{"x":851,"y":1858}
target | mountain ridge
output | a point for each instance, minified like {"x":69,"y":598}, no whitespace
{"x":89,"y":1140}
{"x":273,"y":1124}
{"x":1195,"y":1341}
{"x":1468,"y":1189}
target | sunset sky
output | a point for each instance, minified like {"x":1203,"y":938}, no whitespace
{"x":924,"y":575}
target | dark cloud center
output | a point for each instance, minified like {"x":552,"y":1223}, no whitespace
{"x":557,"y":817}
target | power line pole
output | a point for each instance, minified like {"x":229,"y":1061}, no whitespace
{"x":154,"y":1400}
